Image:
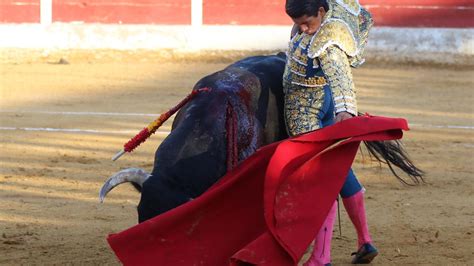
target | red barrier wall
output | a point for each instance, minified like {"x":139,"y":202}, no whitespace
{"x":123,"y":11}
{"x":396,"y":13}
{"x":422,"y":13}
{"x":245,"y":12}
{"x":23,"y":11}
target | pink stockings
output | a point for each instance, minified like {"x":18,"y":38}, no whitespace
{"x":322,"y":244}
{"x":355,"y":208}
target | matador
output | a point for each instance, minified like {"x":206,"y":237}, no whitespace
{"x":327,"y":40}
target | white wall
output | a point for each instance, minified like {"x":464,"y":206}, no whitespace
{"x":440,"y":45}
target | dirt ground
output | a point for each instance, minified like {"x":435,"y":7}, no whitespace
{"x":60,"y":127}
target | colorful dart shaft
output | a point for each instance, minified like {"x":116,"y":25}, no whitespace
{"x":146,"y":132}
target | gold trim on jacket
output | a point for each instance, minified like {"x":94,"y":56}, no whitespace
{"x":345,"y":25}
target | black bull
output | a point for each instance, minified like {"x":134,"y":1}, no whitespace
{"x":217,"y":129}
{"x":214,"y":131}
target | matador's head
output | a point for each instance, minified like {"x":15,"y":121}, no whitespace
{"x":307,"y":14}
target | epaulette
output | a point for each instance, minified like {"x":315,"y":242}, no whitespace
{"x":346,"y":25}
{"x":333,"y":32}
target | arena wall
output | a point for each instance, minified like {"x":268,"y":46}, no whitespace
{"x":418,"y":30}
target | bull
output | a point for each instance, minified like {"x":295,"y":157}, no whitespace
{"x":211,"y":134}
{"x":218,"y":129}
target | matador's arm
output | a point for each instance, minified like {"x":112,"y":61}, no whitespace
{"x":336,"y":67}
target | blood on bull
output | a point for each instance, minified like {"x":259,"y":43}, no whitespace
{"x":211,"y":134}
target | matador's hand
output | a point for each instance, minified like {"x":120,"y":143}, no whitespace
{"x":342,"y":116}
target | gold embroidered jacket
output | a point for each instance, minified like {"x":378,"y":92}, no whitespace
{"x":325,"y":58}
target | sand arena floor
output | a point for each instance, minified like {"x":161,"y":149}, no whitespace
{"x":60,"y":127}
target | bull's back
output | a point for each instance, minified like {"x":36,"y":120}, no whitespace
{"x":269,"y":70}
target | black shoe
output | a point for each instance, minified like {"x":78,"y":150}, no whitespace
{"x":365,"y":254}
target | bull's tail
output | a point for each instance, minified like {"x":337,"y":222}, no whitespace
{"x":392,"y":153}
{"x":136,"y":176}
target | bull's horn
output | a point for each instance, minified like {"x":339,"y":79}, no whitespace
{"x":135,"y":175}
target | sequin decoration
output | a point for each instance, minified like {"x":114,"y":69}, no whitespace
{"x":336,"y":66}
{"x":345,"y":25}
{"x":352,"y":6}
{"x":333,"y":33}
{"x":300,"y":71}
{"x":365,"y":24}
{"x":303,"y":109}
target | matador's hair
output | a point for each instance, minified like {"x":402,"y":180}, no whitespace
{"x":299,"y":8}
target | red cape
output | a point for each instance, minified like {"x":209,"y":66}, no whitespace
{"x":266,"y":211}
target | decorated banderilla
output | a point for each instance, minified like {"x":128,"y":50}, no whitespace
{"x":146,"y":132}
